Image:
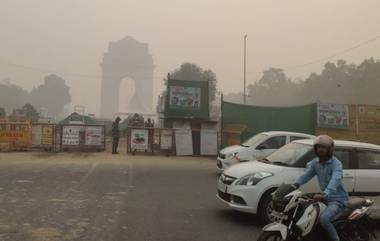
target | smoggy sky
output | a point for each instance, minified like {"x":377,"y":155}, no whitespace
{"x":71,"y":36}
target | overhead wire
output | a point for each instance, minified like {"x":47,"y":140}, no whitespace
{"x":334,"y":55}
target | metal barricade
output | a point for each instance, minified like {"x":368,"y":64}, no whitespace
{"x":15,"y":134}
{"x":150,"y":140}
{"x":43,"y":136}
{"x":78,"y":137}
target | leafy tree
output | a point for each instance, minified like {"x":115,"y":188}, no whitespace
{"x":2,"y":112}
{"x":338,"y":82}
{"x":234,"y":97}
{"x":27,"y":110}
{"x":31,"y":112}
{"x":274,"y":88}
{"x":12,"y":96}
{"x":52,"y":95}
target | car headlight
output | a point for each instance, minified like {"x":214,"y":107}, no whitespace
{"x":253,"y":178}
{"x":232,"y":155}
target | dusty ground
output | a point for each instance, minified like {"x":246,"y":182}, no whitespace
{"x":98,"y":196}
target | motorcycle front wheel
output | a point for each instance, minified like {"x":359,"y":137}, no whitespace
{"x":270,"y":236}
{"x":345,"y":237}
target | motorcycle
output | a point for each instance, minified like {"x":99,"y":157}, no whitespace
{"x":297,"y":218}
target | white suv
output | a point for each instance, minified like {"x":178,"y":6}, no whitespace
{"x":247,"y":186}
{"x":257,"y":147}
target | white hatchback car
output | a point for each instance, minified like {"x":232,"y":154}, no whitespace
{"x":247,"y":186}
{"x":257,"y":147}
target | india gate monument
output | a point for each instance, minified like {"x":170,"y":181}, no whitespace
{"x":127,"y":58}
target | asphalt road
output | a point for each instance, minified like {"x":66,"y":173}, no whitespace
{"x":107,"y":197}
{"x":103,"y":197}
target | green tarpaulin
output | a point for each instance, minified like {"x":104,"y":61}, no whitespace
{"x":260,"y":118}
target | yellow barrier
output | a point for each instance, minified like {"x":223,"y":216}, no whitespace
{"x":16,"y":134}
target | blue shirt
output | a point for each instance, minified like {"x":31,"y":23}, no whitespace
{"x":330,"y":175}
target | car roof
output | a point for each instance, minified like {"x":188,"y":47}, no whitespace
{"x":341,"y":143}
{"x":275,"y":133}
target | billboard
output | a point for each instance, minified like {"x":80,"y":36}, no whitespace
{"x":187,"y":99}
{"x":333,"y":116}
{"x":183,"y":97}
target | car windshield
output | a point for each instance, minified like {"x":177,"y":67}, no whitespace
{"x":289,"y":154}
{"x":254,"y":139}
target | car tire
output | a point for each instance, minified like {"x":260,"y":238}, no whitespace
{"x":265,"y":208}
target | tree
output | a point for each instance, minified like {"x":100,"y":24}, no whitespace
{"x":189,"y":71}
{"x":273,"y":88}
{"x":2,"y":112}
{"x":27,"y":111}
{"x":234,"y":97}
{"x":338,"y":82}
{"x":31,"y":112}
{"x":12,"y":96}
{"x":335,"y":84}
{"x":53,"y":95}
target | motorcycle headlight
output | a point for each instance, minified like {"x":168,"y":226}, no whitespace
{"x":254,"y":178}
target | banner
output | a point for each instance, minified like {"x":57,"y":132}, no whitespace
{"x":36,"y":135}
{"x":184,"y":142}
{"x":333,"y":116}
{"x":70,"y":135}
{"x":166,"y":140}
{"x":17,"y":136}
{"x":209,"y":142}
{"x":47,"y":135}
{"x":369,"y":111}
{"x":139,"y":139}
{"x":156,"y":137}
{"x":94,"y":135}
{"x":185,"y":97}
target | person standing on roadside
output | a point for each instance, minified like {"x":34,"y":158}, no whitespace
{"x":115,"y":135}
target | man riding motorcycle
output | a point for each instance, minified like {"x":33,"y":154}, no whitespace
{"x":328,"y":170}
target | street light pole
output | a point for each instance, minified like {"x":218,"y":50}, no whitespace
{"x":245,"y":67}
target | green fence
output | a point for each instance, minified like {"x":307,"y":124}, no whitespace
{"x":260,"y":118}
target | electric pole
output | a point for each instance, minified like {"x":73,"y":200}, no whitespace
{"x":245,"y":68}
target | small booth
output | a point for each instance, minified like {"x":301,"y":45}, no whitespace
{"x":187,"y":112}
{"x":80,"y":133}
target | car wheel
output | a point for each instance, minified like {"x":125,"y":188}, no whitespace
{"x":265,"y":208}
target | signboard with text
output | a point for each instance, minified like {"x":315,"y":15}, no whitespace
{"x":333,"y":116}
{"x":187,"y":99}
